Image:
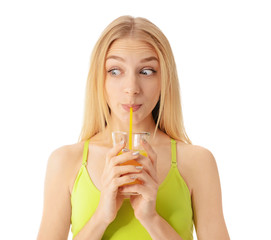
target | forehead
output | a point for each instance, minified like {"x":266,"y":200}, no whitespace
{"x":131,"y":46}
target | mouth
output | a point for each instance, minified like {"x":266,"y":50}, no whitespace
{"x":127,"y":107}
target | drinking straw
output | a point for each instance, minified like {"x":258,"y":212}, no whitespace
{"x":130,"y":128}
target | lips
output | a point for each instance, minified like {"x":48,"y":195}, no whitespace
{"x":134,"y":106}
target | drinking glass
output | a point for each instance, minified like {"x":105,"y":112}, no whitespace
{"x":119,"y":136}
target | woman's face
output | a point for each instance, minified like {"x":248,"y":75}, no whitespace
{"x":132,"y":80}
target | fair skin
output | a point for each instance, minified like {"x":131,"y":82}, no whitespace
{"x":133,"y":77}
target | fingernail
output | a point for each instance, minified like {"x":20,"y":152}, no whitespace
{"x":139,"y":167}
{"x":133,"y":177}
{"x":121,"y":142}
{"x":135,"y":153}
{"x":125,"y":150}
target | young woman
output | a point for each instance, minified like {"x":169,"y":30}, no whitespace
{"x":132,"y":66}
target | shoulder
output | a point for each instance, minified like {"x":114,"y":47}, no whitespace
{"x":194,"y":155}
{"x":64,"y":160}
{"x":65,"y":154}
{"x":196,"y":163}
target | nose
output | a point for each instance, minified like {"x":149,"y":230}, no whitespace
{"x":131,"y":85}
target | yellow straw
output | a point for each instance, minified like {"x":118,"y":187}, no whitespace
{"x":130,"y":129}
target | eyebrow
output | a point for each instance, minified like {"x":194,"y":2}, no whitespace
{"x":148,"y":59}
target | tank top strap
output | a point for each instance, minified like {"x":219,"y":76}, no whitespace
{"x":85,"y":153}
{"x":173,"y":153}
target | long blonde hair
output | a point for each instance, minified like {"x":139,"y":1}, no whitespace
{"x":168,"y":111}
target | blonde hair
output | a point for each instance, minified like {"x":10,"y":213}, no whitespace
{"x":168,"y":111}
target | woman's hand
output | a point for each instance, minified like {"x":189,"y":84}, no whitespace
{"x":113,"y":177}
{"x":144,"y":205}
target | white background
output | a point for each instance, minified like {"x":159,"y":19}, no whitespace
{"x":222,"y":50}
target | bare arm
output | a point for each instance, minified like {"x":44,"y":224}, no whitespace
{"x":206,"y":197}
{"x":55,"y":223}
{"x":94,"y":229}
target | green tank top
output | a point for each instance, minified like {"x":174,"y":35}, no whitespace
{"x":173,"y":203}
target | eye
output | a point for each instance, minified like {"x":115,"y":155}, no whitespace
{"x":114,"y":72}
{"x":147,"y":72}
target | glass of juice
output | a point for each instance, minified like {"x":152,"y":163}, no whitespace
{"x":135,"y":145}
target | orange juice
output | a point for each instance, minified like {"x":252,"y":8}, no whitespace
{"x":133,"y":143}
{"x":134,"y":163}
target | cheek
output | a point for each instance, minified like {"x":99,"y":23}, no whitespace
{"x":111,"y":85}
{"x":156,"y":94}
{"x":107,"y":92}
{"x":110,"y":91}
{"x":153,"y":92}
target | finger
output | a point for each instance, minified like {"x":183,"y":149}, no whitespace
{"x":148,"y":192}
{"x":122,"y":181}
{"x":118,"y":171}
{"x":146,"y":178}
{"x":150,"y":152}
{"x":146,"y":184}
{"x":114,"y":151}
{"x":148,"y":167}
{"x":124,"y":158}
